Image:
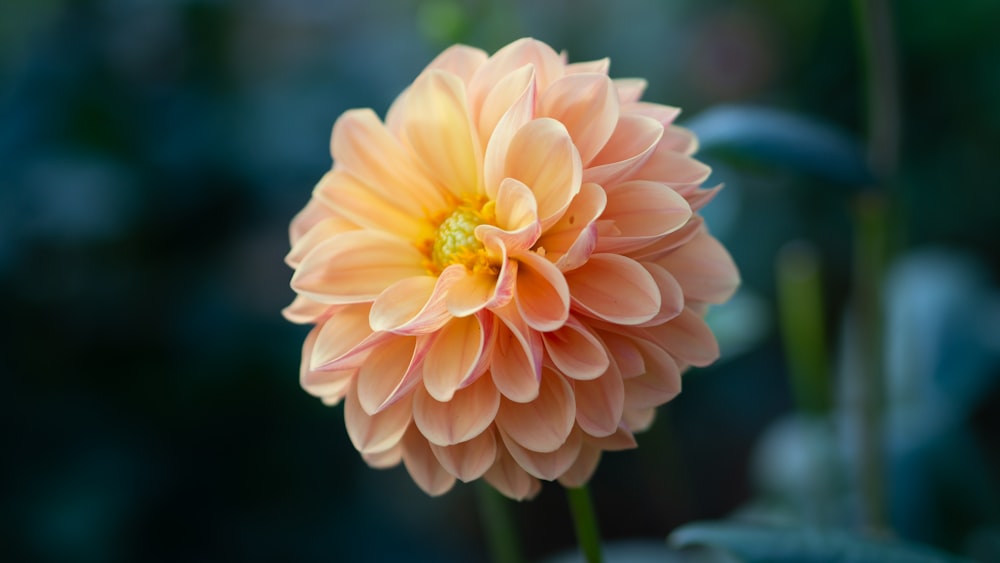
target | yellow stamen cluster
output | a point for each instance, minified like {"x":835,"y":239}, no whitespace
{"x":455,"y":241}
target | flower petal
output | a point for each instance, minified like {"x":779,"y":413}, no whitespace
{"x":622,"y":439}
{"x":680,"y":139}
{"x":386,"y":459}
{"x":664,"y":114}
{"x":639,"y":420}
{"x":378,"y":432}
{"x":331,"y":386}
{"x":468,"y":460}
{"x":517,"y":357}
{"x":437,"y":128}
{"x":456,"y":352}
{"x":470,"y":411}
{"x":576,"y":351}
{"x":572,"y":239}
{"x":600,"y":65}
{"x":587,"y":104}
{"x":415,"y":305}
{"x":343,"y":339}
{"x":356,"y":266}
{"x":508,"y":97}
{"x":510,"y":478}
{"x":364,"y":206}
{"x":660,"y":382}
{"x":642,"y":211}
{"x":633,"y":141}
{"x":543,"y":424}
{"x":317,"y":233}
{"x":521,"y":111}
{"x":423,"y":466}
{"x":303,"y":310}
{"x":583,"y":468}
{"x":475,"y":291}
{"x":543,"y":157}
{"x":542,"y":295}
{"x":517,"y":211}
{"x":545,"y":465}
{"x":672,"y":168}
{"x":671,"y":294}
{"x":390,"y":372}
{"x":614,"y":288}
{"x":599,"y":403}
{"x":460,"y":60}
{"x":667,"y":244}
{"x":314,"y":212}
{"x":687,"y":338}
{"x":547,"y":63}
{"x":630,"y":89}
{"x":704,"y":269}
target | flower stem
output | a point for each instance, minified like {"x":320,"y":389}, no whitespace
{"x":585,"y":522}
{"x":501,"y":537}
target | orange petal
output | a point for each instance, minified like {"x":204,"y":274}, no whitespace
{"x":600,"y":65}
{"x":468,"y":460}
{"x":576,"y":350}
{"x":517,"y":359}
{"x":510,"y":478}
{"x":470,"y":411}
{"x":642,"y":211}
{"x":415,"y":305}
{"x":314,"y":212}
{"x":667,"y":244}
{"x":304,"y":310}
{"x":583,"y":468}
{"x":625,"y":353}
{"x":622,"y":439}
{"x":542,"y":156}
{"x":660,"y":383}
{"x":517,"y":211}
{"x":672,"y":168}
{"x":704,"y":269}
{"x":475,"y":291}
{"x":571,"y":240}
{"x":460,"y":60}
{"x":599,"y":403}
{"x":587,"y":104}
{"x":423,"y":466}
{"x":386,"y":459}
{"x":542,"y":295}
{"x":331,"y":386}
{"x":361,"y":205}
{"x":548,"y":67}
{"x":453,"y":357}
{"x":633,"y":141}
{"x":671,"y":294}
{"x":639,"y":420}
{"x":614,"y":288}
{"x":390,"y":372}
{"x":379,"y":432}
{"x":317,"y":233}
{"x":543,"y":424}
{"x":520,"y":112}
{"x":507,"y":97}
{"x":356,"y":266}
{"x":680,"y":139}
{"x":547,"y":465}
{"x":344,"y":340}
{"x":437,"y":128}
{"x":664,"y":114}
{"x":687,"y":338}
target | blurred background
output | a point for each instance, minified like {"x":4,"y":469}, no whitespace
{"x":152,"y":153}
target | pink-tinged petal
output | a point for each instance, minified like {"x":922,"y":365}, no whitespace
{"x":454,"y":356}
{"x":545,"y":465}
{"x":671,"y":294}
{"x":630,"y":89}
{"x":361,"y":145}
{"x":704,"y":269}
{"x":680,"y":139}
{"x":542,"y":295}
{"x":330,"y":386}
{"x":437,"y":128}
{"x":379,"y":432}
{"x":614,"y":288}
{"x":667,"y":244}
{"x":386,"y":459}
{"x":423,"y":466}
{"x":520,"y":112}
{"x":304,"y":310}
{"x":415,"y":305}
{"x":314,"y":212}
{"x":543,"y":157}
{"x":509,"y":97}
{"x":587,"y":104}
{"x":687,"y":338}
{"x":672,"y":168}
{"x":571,"y":240}
{"x":660,"y":383}
{"x":475,"y":291}
{"x":698,"y":198}
{"x":516,"y":209}
{"x":634,"y":140}
{"x":460,"y":60}
{"x":470,"y":412}
{"x":356,"y":266}
{"x":469,"y":460}
{"x":343,"y":339}
{"x":664,"y":114}
{"x":317,"y":234}
{"x":639,"y":420}
{"x":543,"y":424}
{"x":390,"y":372}
{"x":625,"y":353}
{"x":599,"y":403}
{"x":583,"y":468}
{"x":600,"y":65}
{"x":642,"y":211}
{"x":517,"y":359}
{"x":363,"y":206}
{"x":547,"y":63}
{"x":622,"y":439}
{"x":576,"y":350}
{"x":510,"y":478}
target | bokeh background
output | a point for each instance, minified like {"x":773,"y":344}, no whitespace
{"x":152,"y":153}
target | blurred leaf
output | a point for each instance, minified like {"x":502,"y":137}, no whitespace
{"x":753,"y":543}
{"x":784,"y":139}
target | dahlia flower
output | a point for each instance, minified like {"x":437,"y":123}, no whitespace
{"x":508,"y":275}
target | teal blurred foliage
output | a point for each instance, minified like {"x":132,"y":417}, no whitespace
{"x":153,"y":152}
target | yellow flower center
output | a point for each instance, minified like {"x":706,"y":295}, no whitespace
{"x":455,"y":241}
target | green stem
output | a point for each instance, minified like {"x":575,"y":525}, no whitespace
{"x":501,"y":537}
{"x":585,"y":522}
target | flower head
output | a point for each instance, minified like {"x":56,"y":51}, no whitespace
{"x":508,"y":275}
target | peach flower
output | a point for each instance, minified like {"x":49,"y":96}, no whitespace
{"x":506,"y":276}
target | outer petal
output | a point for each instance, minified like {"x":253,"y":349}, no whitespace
{"x":517,"y":357}
{"x":600,"y":65}
{"x":664,"y":114}
{"x":571,"y":240}
{"x":614,"y":288}
{"x":415,"y":305}
{"x":633,"y":141}
{"x":461,"y":60}
{"x":314,"y":212}
{"x":547,"y":465}
{"x":454,"y":357}
{"x":672,"y":168}
{"x":600,"y":402}
{"x":687,"y":338}
{"x":639,"y":420}
{"x":304,"y":310}
{"x":671,"y":294}
{"x":508,"y":97}
{"x":587,"y":104}
{"x":465,"y":416}
{"x":543,"y":424}
{"x":660,"y":383}
{"x":630,"y":89}
{"x":330,"y":386}
{"x":356,"y":266}
{"x":542,"y":295}
{"x":390,"y":373}
{"x":343,"y":339}
{"x":583,"y":468}
{"x":364,"y":206}
{"x":510,"y":478}
{"x":543,"y":157}
{"x":423,"y":466}
{"x":704,"y":269}
{"x":468,"y":460}
{"x":475,"y":291}
{"x":576,"y":350}
{"x":437,"y":128}
{"x":386,"y":459}
{"x":548,"y":67}
{"x":642,"y":211}
{"x":379,"y":432}
{"x":318,"y":233}
{"x":520,"y":112}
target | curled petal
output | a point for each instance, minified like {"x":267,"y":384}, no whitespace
{"x":599,"y":403}
{"x":510,"y":97}
{"x":468,"y":460}
{"x":470,"y":411}
{"x":576,"y":350}
{"x":330,"y":386}
{"x":455,"y":357}
{"x":510,"y":478}
{"x":517,"y":214}
{"x":614,"y":288}
{"x":545,"y":465}
{"x":572,"y":239}
{"x":659,"y":383}
{"x":423,"y":465}
{"x":520,"y":112}
{"x":543,"y":424}
{"x":625,"y":353}
{"x":356,"y":266}
{"x":547,"y":63}
{"x":543,"y":157}
{"x":517,"y":358}
{"x":343,"y":339}
{"x":542,"y":295}
{"x":642,"y":211}
{"x":671,"y":294}
{"x":583,"y":468}
{"x":390,"y":372}
{"x":378,"y":432}
{"x":474,"y":291}
{"x":633,"y":141}
{"x":587,"y":104}
{"x":415,"y":305}
{"x":704,"y":269}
